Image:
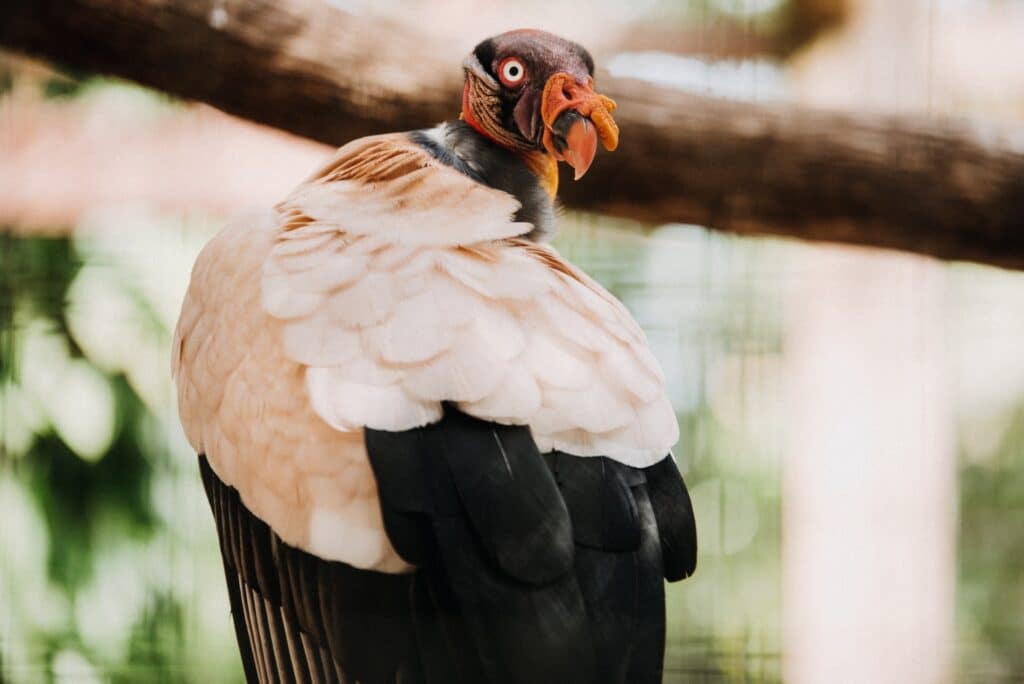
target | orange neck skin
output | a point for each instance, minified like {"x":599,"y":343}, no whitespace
{"x":540,"y":163}
{"x":545,"y":168}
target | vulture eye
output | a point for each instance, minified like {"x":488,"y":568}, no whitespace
{"x":511,"y":72}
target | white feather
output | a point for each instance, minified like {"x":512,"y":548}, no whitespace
{"x":596,"y":410}
{"x":299,"y":243}
{"x":319,"y":341}
{"x":507,"y":276}
{"x":283,"y":296}
{"x":444,"y":202}
{"x":655,"y":425}
{"x":574,"y":326}
{"x":515,"y":400}
{"x":497,"y":330}
{"x":479,"y":358}
{"x":424,"y":325}
{"x":364,"y":303}
{"x":395,"y":257}
{"x":467,"y":372}
{"x":621,"y":365}
{"x":552,"y":364}
{"x":365,"y":370}
{"x":587,"y":296}
{"x":347,"y":405}
{"x":305,"y":261}
{"x":334,"y":271}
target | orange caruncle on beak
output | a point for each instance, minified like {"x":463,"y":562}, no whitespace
{"x":574,"y":139}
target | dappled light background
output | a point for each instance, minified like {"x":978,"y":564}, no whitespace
{"x":852,"y":420}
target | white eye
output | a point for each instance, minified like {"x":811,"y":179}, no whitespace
{"x":511,"y":71}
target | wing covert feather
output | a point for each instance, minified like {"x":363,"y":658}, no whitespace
{"x":447,"y":306}
{"x":348,"y":308}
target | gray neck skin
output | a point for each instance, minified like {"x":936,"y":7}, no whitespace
{"x":459,"y":146}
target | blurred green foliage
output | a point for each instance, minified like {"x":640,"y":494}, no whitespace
{"x":83,"y":522}
{"x":991,"y":553}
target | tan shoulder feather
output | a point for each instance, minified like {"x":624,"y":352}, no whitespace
{"x":391,"y":189}
{"x":415,"y":290}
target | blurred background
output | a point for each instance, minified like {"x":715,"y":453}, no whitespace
{"x":852,"y":419}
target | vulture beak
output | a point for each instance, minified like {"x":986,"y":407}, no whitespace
{"x":574,"y":118}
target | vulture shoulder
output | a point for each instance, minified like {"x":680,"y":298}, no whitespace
{"x":402,"y":284}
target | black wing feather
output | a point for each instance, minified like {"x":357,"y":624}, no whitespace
{"x":531,"y":568}
{"x":497,"y":549}
{"x":674,"y":514}
{"x":509,"y":496}
{"x":597,"y":492}
{"x":216,"y":492}
{"x":299,"y":618}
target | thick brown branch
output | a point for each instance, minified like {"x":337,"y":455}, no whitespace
{"x":921,"y":186}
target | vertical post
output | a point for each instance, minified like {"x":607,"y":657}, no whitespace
{"x":869,"y":481}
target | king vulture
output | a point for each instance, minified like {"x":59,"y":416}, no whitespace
{"x":435,"y":450}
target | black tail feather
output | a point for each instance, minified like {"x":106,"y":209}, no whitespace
{"x":299,"y":618}
{"x":674,"y":514}
{"x":530,"y":569}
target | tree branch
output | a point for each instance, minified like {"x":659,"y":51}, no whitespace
{"x":929,"y":187}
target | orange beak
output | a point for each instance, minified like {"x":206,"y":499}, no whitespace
{"x":574,"y":118}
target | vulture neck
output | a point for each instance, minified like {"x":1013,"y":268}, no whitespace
{"x":527,"y":177}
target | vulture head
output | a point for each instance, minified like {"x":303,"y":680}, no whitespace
{"x":533,"y":92}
